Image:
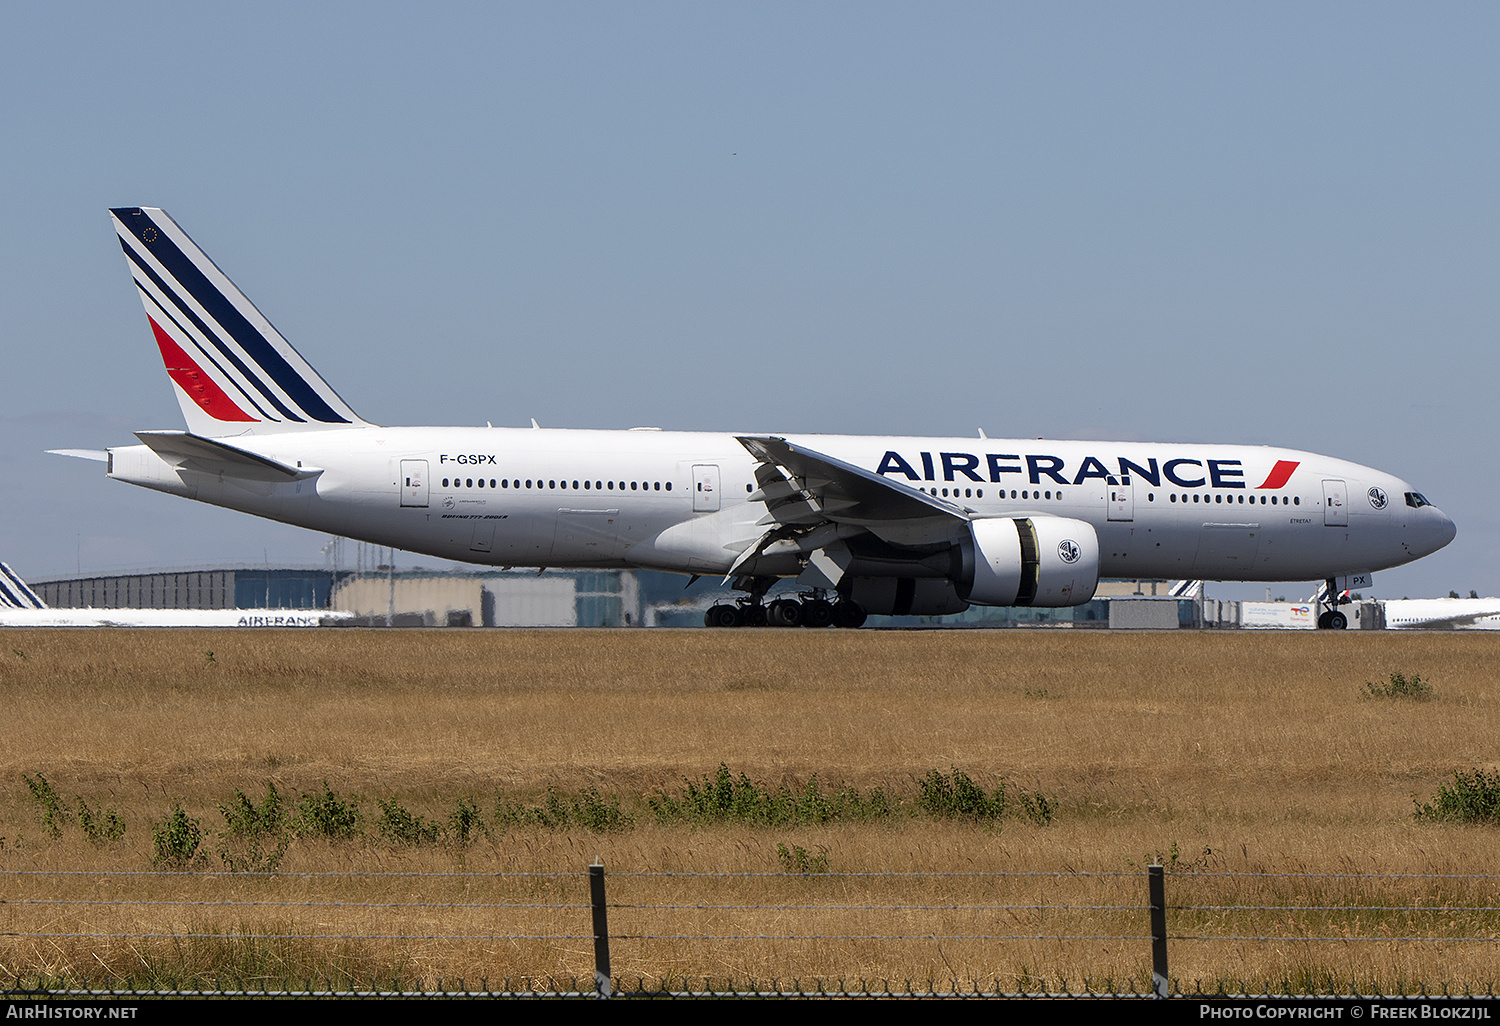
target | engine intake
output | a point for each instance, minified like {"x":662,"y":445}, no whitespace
{"x":1020,"y":561}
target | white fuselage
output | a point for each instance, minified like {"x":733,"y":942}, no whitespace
{"x":681,"y":502}
{"x":275,"y":618}
{"x":1444,"y":613}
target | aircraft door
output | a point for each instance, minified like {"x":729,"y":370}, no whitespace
{"x":705,"y":488}
{"x":413,"y":482}
{"x":1121,"y":502}
{"x":1335,"y":504}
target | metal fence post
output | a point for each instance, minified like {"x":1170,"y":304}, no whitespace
{"x":601,"y":931}
{"x":1157,"y":877}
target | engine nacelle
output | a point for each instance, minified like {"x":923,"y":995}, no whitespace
{"x":1021,"y":561}
{"x":904,"y":596}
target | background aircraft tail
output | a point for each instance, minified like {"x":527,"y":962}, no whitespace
{"x":233,"y":372}
{"x":14,"y":592}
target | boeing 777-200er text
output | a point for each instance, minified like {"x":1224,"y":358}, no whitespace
{"x":865,"y":524}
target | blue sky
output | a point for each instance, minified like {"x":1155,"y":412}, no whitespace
{"x":1259,"y":223}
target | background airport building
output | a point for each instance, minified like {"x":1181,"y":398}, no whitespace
{"x":378,"y":595}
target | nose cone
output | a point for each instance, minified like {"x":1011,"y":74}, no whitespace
{"x":1446,"y":531}
{"x":1434,"y":529}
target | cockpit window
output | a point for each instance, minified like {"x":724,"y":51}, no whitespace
{"x":1416,"y":500}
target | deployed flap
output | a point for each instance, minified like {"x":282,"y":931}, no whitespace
{"x":821,"y":488}
{"x":193,"y":452}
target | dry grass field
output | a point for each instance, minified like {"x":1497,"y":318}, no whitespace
{"x":1238,"y":753}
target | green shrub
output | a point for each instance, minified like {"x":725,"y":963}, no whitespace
{"x":1036,"y":806}
{"x":401,"y":827}
{"x":1472,"y":798}
{"x":101,"y":826}
{"x":1174,"y":860}
{"x":175,"y":841}
{"x":464,"y":822}
{"x":553,"y":814}
{"x":255,"y":837}
{"x":1401,"y":686}
{"x":243,"y":818}
{"x":709,"y":800}
{"x":726,"y":798}
{"x":602,"y":815}
{"x":590,"y":810}
{"x":49,"y":806}
{"x":956,"y":796}
{"x":253,"y":855}
{"x":327,"y":815}
{"x":798,"y":859}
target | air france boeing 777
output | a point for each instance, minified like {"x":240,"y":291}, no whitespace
{"x":883,"y":525}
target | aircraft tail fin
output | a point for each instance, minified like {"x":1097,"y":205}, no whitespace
{"x":15,"y":593}
{"x":233,"y":372}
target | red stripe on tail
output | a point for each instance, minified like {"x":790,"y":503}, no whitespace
{"x":1280,"y":473}
{"x":189,"y":377}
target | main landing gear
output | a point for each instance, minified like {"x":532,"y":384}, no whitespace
{"x":807,"y":611}
{"x":1331,"y":619}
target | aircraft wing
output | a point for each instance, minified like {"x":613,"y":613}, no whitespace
{"x":212,"y":456}
{"x":802,"y":487}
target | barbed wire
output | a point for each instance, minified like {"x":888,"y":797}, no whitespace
{"x":204,"y":903}
{"x":1291,"y":937}
{"x":1334,"y":908}
{"x":944,"y":919}
{"x":215,"y":874}
{"x":876,"y":937}
{"x":121,"y":935}
{"x":572,"y":875}
{"x":779,"y":907}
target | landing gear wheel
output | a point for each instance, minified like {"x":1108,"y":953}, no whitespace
{"x":1323,"y":620}
{"x":722,"y":616}
{"x":1337,"y":621}
{"x":784,"y":613}
{"x":754,"y":616}
{"x":848,"y":614}
{"x":817,"y":613}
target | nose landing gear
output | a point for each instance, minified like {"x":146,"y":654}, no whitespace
{"x":1331,"y":619}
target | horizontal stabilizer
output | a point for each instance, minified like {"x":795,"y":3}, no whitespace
{"x":193,"y":452}
{"x":97,"y":455}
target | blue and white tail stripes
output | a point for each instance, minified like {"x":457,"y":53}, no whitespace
{"x":234,"y":372}
{"x":14,"y":592}
{"x":1186,"y":589}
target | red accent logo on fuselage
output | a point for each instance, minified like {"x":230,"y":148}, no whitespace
{"x":1280,"y":473}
